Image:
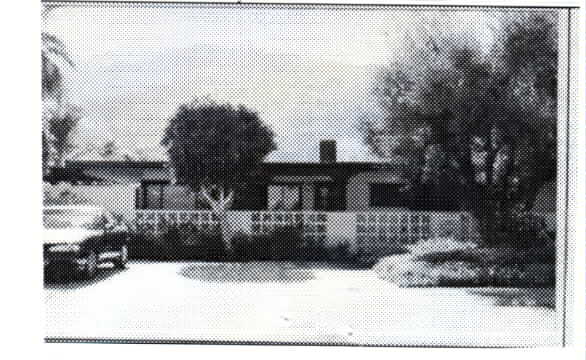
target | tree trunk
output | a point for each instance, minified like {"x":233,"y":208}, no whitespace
{"x":219,"y":207}
{"x":59,"y":159}
{"x":490,"y":193}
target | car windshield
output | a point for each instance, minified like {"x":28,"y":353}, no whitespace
{"x":71,"y":218}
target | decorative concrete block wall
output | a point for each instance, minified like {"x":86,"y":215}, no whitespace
{"x":373,"y":229}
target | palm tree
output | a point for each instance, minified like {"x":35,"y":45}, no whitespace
{"x":53,"y":54}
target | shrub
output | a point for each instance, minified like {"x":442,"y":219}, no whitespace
{"x":492,"y":256}
{"x":145,"y":247}
{"x":203,"y":245}
{"x":407,"y":274}
{"x":445,"y":262}
{"x":176,"y":244}
{"x":520,"y":230}
{"x":341,"y":252}
{"x":531,"y":232}
{"x":456,"y":273}
{"x":440,"y":245}
{"x":283,"y":243}
{"x":417,"y":273}
{"x":241,"y":247}
{"x":287,"y":244}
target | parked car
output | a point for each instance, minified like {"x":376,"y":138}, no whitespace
{"x":78,"y":238}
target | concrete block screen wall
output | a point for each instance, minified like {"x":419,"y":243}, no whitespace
{"x":373,"y":229}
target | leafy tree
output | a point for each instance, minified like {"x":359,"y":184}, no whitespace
{"x":214,"y":147}
{"x":60,"y":130}
{"x":54,"y":56}
{"x":45,"y":153}
{"x":480,"y":126}
{"x":109,"y":149}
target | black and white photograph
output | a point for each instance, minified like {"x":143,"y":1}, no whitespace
{"x":289,"y":174}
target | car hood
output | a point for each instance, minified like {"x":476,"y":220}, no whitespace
{"x":68,"y":236}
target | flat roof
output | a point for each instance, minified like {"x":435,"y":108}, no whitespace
{"x":104,"y":164}
{"x":72,"y":207}
{"x":165,"y":164}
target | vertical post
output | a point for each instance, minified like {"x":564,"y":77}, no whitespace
{"x":137,"y":204}
{"x":161,"y":196}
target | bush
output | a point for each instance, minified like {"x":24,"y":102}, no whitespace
{"x":440,"y":245}
{"x":176,"y":244}
{"x":463,"y":274}
{"x":287,"y":244}
{"x":283,"y":243}
{"x":530,"y":231}
{"x":520,"y":230}
{"x":145,"y":247}
{"x":407,"y":273}
{"x":492,"y":256}
{"x":445,"y":262}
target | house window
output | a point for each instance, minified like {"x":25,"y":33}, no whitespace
{"x":386,"y":195}
{"x":284,"y":197}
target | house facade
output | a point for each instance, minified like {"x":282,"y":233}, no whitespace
{"x":327,"y":185}
{"x":363,"y":204}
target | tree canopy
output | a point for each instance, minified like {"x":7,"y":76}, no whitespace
{"x":214,"y":147}
{"x":479,"y":125}
{"x":60,"y":128}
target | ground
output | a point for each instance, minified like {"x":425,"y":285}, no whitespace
{"x":211,"y":302}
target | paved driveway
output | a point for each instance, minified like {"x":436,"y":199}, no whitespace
{"x":156,"y":301}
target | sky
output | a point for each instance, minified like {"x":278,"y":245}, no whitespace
{"x":308,"y":72}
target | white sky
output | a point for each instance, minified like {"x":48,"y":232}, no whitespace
{"x":308,"y":72}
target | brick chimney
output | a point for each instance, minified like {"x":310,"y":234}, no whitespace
{"x":327,"y":151}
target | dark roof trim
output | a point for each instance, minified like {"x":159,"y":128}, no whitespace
{"x":101,"y":164}
{"x":336,"y":165}
{"x":376,"y":166}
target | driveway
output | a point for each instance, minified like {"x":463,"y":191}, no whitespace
{"x":173,"y":302}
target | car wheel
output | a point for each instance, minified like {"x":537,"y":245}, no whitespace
{"x":91,"y":267}
{"x":122,"y":260}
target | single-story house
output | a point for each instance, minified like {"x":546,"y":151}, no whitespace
{"x":326,"y":185}
{"x":365,"y":202}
